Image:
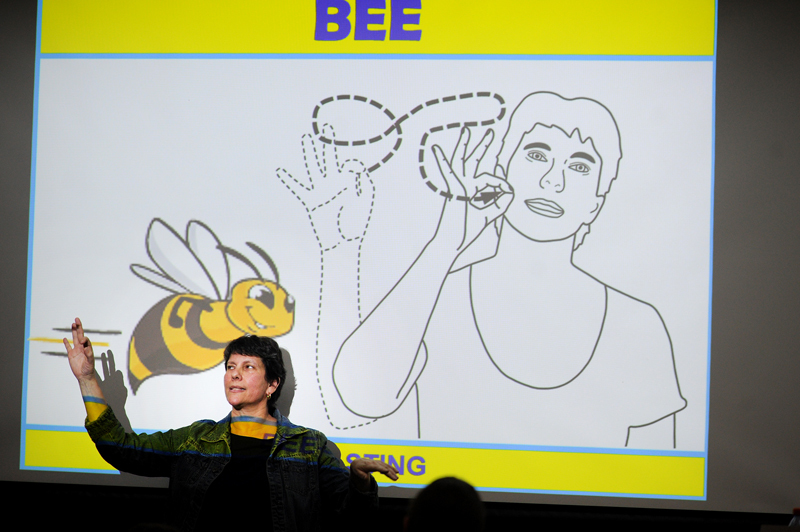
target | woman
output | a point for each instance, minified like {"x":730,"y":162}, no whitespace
{"x":255,"y":463}
{"x":552,"y":355}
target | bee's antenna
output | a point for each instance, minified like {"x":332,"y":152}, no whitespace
{"x":267,"y":259}
{"x":236,"y":254}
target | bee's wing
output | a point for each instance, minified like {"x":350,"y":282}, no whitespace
{"x":175,"y":259}
{"x":208,"y":249}
{"x":156,"y":278}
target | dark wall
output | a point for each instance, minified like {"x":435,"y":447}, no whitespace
{"x":17,"y":61}
{"x":755,"y":369}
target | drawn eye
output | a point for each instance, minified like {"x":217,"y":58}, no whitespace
{"x":580,"y":167}
{"x":289,"y":303}
{"x":263,"y":294}
{"x":535,"y":155}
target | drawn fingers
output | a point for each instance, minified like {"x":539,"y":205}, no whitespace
{"x":313,"y":154}
{"x":492,"y":191}
{"x":446,"y":170}
{"x":487,"y":179}
{"x":459,"y":158}
{"x":362,"y":179}
{"x":328,"y":155}
{"x":476,"y":156}
{"x":294,"y":186}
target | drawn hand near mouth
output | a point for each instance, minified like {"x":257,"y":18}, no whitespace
{"x":473,"y":200}
{"x":338,"y":196}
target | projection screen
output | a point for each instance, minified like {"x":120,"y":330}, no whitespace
{"x":483,"y":240}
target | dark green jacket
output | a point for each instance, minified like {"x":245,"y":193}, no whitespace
{"x":304,"y":476}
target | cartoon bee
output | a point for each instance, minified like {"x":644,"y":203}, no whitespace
{"x":187,"y":332}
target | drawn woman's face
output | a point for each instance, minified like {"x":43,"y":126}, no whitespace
{"x":555,"y":179}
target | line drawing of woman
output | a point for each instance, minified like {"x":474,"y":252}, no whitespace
{"x":544,"y":351}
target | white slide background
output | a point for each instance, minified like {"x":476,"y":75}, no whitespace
{"x":121,"y":142}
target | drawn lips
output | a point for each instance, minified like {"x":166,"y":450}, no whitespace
{"x":544,"y":207}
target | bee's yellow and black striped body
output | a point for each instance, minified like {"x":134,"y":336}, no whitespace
{"x":187,"y":333}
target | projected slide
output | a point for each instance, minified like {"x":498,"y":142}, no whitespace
{"x":472,"y":262}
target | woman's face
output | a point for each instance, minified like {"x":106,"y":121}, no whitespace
{"x":555,"y":179}
{"x":245,"y":382}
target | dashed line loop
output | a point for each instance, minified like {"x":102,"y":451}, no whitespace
{"x":396,"y":128}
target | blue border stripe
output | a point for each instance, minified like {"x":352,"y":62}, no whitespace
{"x":71,"y":470}
{"x":454,"y":445}
{"x":711,"y":236}
{"x":400,"y":57}
{"x":560,"y":492}
{"x":515,"y":447}
{"x":34,"y":135}
{"x":76,"y":428}
{"x":55,"y":428}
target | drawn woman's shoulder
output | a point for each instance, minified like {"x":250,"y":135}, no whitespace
{"x":639,"y":318}
{"x":636,"y":335}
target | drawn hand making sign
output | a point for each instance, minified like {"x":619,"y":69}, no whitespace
{"x":494,"y":322}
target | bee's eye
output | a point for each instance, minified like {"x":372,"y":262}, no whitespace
{"x":263,"y":294}
{"x":289,"y":303}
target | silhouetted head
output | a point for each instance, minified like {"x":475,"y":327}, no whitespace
{"x":446,"y":504}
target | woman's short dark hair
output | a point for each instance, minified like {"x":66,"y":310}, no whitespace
{"x":270,"y":354}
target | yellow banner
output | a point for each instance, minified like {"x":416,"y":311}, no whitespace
{"x":465,"y":27}
{"x":676,"y":476}
{"x":68,"y":450}
{"x":624,"y":474}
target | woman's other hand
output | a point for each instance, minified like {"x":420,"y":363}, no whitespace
{"x":361,"y":469}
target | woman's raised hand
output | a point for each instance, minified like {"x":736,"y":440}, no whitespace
{"x":80,"y":353}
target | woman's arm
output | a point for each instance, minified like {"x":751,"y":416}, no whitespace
{"x":144,"y":454}
{"x":380,"y":361}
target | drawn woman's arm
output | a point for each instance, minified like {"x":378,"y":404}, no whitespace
{"x":338,"y":197}
{"x":379,"y":363}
